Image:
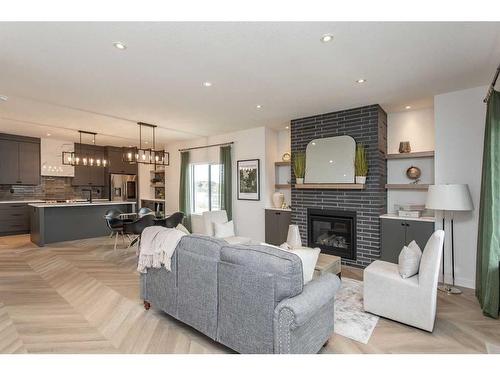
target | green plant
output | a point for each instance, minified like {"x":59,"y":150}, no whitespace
{"x":360,"y":162}
{"x":299,"y":164}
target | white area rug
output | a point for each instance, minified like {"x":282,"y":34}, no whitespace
{"x":351,"y":320}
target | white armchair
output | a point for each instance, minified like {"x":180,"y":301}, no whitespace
{"x":209,"y":218}
{"x":410,"y":301}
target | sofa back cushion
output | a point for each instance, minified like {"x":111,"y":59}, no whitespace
{"x":285,"y":266}
{"x":197,"y":263}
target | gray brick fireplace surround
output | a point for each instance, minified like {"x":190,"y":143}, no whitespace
{"x":367,"y":125}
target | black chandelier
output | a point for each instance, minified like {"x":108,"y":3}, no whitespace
{"x":82,"y":157}
{"x":142,"y":155}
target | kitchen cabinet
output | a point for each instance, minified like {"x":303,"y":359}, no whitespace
{"x":19,"y":160}
{"x":86,"y":175}
{"x":116,"y":163}
{"x":277,"y":222}
{"x":397,"y":233}
{"x":14,"y":218}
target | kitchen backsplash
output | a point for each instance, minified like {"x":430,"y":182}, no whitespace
{"x":50,"y":188}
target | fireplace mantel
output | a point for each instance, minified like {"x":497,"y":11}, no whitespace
{"x":330,"y":186}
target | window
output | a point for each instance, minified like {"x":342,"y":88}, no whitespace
{"x":206,"y":187}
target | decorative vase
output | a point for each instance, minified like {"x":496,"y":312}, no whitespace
{"x":361,"y":179}
{"x":278,"y":199}
{"x":404,"y":147}
{"x":299,"y":180}
{"x":293,"y":238}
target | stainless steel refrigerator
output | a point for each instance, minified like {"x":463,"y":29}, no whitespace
{"x":123,"y":187}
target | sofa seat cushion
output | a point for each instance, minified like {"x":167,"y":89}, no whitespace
{"x":237,"y":240}
{"x":285,"y":267}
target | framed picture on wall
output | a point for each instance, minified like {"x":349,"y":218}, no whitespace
{"x":249,"y":179}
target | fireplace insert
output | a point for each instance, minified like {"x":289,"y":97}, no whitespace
{"x":334,"y":232}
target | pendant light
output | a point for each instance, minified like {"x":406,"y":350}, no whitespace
{"x":82,"y":156}
{"x":133,"y":155}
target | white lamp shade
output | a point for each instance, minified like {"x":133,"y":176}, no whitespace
{"x":450,"y":197}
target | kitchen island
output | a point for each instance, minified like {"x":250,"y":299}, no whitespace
{"x":56,"y":222}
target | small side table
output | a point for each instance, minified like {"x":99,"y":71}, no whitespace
{"x":328,"y":263}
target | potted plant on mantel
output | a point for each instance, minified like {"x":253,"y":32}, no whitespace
{"x":361,"y":164}
{"x":299,"y":166}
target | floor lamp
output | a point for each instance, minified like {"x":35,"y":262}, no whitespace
{"x":451,"y":198}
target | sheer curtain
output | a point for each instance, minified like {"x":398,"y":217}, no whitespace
{"x":226,"y":180}
{"x":184,"y":189}
{"x":488,"y":243}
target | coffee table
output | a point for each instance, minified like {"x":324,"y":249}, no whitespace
{"x":328,"y":264}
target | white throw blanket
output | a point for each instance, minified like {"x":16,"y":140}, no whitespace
{"x":157,"y":247}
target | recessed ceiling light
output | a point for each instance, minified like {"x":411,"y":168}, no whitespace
{"x":287,"y":127}
{"x":327,"y":38}
{"x":408,"y":107}
{"x":361,"y":80}
{"x":48,"y":134}
{"x":120,"y":45}
{"x":207,"y":84}
{"x":4,"y":98}
{"x":146,"y":142}
{"x":258,"y":106}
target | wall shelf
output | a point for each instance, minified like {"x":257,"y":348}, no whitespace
{"x":407,"y":186}
{"x":411,"y":155}
{"x":331,"y":186}
{"x":281,"y":163}
{"x":282,"y":186}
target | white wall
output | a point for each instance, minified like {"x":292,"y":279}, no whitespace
{"x":459,"y":122}
{"x":257,"y":143}
{"x":417,"y":127}
{"x":51,"y":157}
{"x":144,"y":181}
{"x":283,"y":174}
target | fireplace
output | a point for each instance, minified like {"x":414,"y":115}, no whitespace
{"x":334,"y":232}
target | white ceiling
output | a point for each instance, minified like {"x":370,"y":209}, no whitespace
{"x":61,"y":77}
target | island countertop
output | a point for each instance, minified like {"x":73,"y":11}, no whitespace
{"x":79,"y":204}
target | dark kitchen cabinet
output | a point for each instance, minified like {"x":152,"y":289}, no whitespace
{"x":116,"y":163}
{"x":29,"y":166}
{"x":19,"y":160}
{"x":9,"y":159}
{"x":14,"y":218}
{"x":397,"y":233}
{"x":86,"y":175}
{"x":277,"y":222}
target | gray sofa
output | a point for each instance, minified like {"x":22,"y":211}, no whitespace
{"x":250,"y":298}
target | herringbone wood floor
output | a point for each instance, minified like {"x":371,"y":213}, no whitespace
{"x":83,"y":297}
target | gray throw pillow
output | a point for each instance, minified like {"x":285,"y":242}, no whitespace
{"x":409,"y":260}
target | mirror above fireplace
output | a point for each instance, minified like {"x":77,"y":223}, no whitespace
{"x":330,"y":160}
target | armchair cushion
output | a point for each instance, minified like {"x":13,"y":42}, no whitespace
{"x":211,"y":217}
{"x":409,"y":260}
{"x":224,"y":230}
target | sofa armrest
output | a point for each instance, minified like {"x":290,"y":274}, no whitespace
{"x":304,"y":322}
